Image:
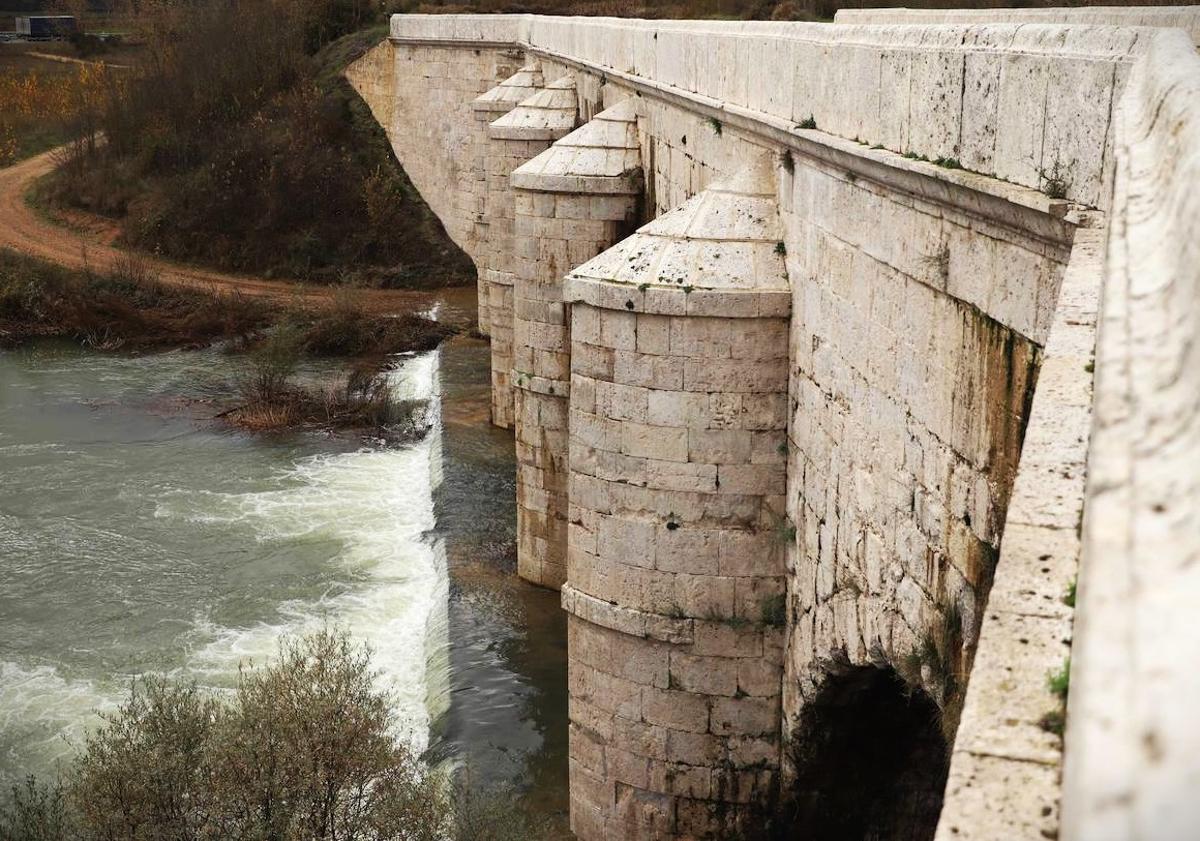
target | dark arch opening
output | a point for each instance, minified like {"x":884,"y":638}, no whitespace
{"x":871,"y":762}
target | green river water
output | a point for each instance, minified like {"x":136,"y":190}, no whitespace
{"x":138,"y":535}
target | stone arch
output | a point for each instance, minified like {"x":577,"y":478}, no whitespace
{"x":869,"y":759}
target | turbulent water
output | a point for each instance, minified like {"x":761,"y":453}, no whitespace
{"x":136,"y":536}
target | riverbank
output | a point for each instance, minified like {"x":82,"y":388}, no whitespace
{"x":89,"y":247}
{"x":129,"y":310}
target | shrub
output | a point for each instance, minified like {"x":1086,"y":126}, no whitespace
{"x":272,"y":366}
{"x":36,"y":813}
{"x":302,"y":751}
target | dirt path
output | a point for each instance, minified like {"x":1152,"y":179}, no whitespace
{"x":66,"y":59}
{"x":23,"y":229}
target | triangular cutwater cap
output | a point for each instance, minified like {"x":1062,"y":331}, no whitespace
{"x":601,"y":157}
{"x":728,"y":238}
{"x":547,"y":115}
{"x":505,"y":96}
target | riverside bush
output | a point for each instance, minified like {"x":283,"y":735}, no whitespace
{"x":303,"y":750}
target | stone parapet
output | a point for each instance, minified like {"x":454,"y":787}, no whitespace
{"x":1028,"y":103}
{"x":1132,"y":763}
{"x":1186,"y":18}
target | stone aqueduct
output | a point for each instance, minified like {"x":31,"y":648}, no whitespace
{"x":793,"y":323}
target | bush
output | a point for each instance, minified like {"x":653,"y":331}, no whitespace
{"x":302,"y":751}
{"x":125,"y":307}
{"x":272,"y":366}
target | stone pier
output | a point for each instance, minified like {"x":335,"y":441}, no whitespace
{"x":573,"y":201}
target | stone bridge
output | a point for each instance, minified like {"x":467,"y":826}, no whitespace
{"x":836,"y":354}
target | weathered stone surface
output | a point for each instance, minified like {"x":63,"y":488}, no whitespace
{"x":572,"y":202}
{"x":793,"y":420}
{"x":698,"y":545}
{"x":1133,"y":757}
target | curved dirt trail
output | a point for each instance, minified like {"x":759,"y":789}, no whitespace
{"x":22,"y":229}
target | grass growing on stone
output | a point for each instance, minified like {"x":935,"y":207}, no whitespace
{"x":1054,"y":722}
{"x":1069,"y":596}
{"x":774,"y":610}
{"x":1059,"y":682}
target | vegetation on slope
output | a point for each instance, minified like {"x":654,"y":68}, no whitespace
{"x":238,"y":144}
{"x":303,"y":750}
{"x":39,"y":97}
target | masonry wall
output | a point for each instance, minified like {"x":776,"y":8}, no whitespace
{"x":927,"y":233}
{"x":421,"y":95}
{"x":675,"y":571}
{"x":915,"y":342}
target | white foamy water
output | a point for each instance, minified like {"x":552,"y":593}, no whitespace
{"x":46,"y":713}
{"x":357,"y":523}
{"x":378,"y":504}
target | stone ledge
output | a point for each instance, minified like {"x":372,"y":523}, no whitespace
{"x":1004,"y":760}
{"x":658,"y":300}
{"x":626,"y":184}
{"x":541,"y":385}
{"x":636,"y":623}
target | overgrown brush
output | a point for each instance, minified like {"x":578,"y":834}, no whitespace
{"x":36,"y":107}
{"x":239,"y":144}
{"x":347,"y":329}
{"x":124,"y":307}
{"x":362,"y":399}
{"x":303,"y":750}
{"x":129,"y":307}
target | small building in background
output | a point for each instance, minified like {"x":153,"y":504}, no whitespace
{"x":46,"y":27}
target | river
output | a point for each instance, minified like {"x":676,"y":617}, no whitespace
{"x":137,"y":535}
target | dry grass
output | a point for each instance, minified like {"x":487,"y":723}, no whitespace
{"x":124,"y":308}
{"x":128,"y":307}
{"x":360,"y":400}
{"x":40,"y":102}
